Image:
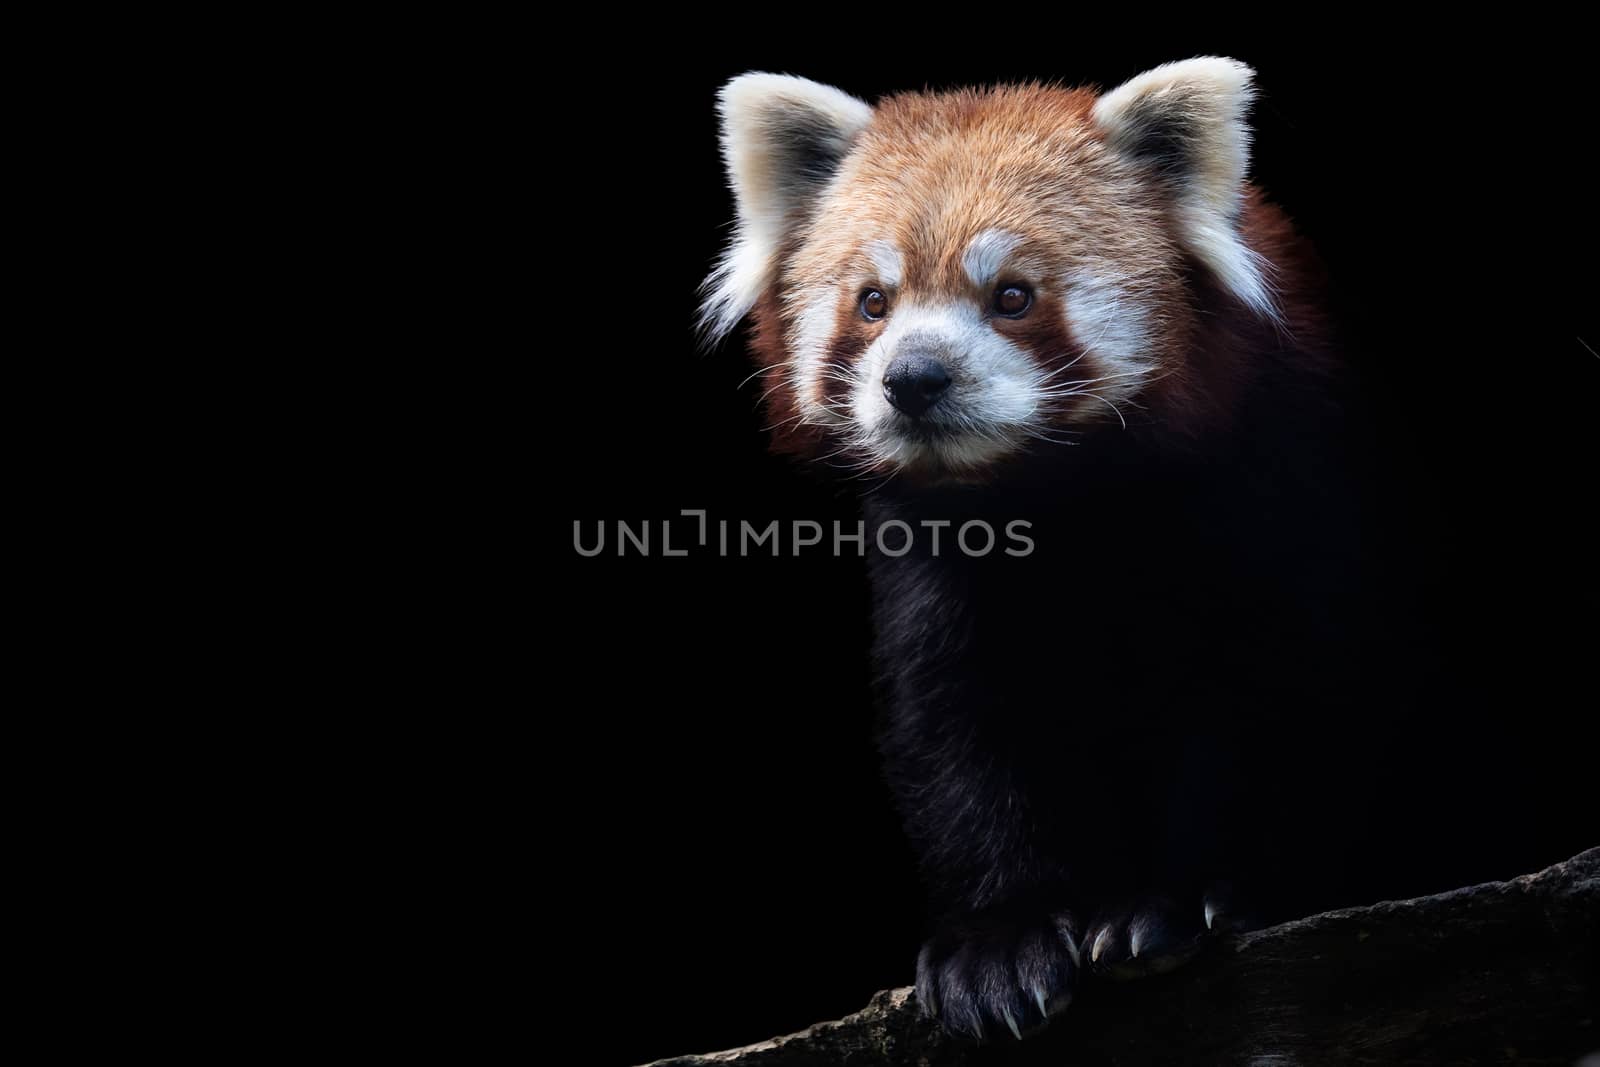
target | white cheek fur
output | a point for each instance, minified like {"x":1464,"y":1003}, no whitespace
{"x":1000,"y":388}
{"x":814,"y":327}
{"x":1109,"y":319}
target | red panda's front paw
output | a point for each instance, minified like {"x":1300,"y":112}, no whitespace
{"x":1150,"y":935}
{"x":986,"y":976}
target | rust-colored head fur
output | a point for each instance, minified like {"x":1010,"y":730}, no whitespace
{"x":946,"y":279}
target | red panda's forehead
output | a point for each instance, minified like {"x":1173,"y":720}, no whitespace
{"x":933,"y":172}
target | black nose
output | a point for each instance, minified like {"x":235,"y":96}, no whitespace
{"x":915,"y":383}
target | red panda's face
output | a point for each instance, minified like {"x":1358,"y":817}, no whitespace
{"x":943,"y":280}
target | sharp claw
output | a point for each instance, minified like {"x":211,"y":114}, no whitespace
{"x":1142,"y":932}
{"x":1099,"y":944}
{"x":1011,"y":1023}
{"x":1211,"y":913}
{"x":1038,"y":998}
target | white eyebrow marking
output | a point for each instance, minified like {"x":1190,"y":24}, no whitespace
{"x":886,"y":260}
{"x":986,"y":256}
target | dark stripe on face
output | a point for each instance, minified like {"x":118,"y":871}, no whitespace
{"x":1044,"y":335}
{"x":841,"y":363}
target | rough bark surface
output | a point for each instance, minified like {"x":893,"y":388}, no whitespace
{"x":1503,"y":972}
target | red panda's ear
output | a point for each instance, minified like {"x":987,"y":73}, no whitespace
{"x":1186,"y":121}
{"x":782,"y":139}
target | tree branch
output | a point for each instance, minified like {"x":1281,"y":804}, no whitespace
{"x":1505,"y":971}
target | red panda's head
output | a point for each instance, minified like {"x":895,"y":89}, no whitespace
{"x":946,"y":278}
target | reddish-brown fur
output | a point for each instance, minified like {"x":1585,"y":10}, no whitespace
{"x":932,"y":171}
{"x":1220,"y":345}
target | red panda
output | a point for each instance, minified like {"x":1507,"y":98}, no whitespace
{"x":1025,"y":251}
{"x":1041,"y":303}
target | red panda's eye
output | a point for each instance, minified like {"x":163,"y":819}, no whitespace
{"x":873,"y":304}
{"x":1012,"y":300}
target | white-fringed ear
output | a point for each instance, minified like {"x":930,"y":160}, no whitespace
{"x":1187,"y":121}
{"x":782,"y":139}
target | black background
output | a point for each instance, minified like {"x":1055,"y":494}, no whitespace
{"x":709,"y":812}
